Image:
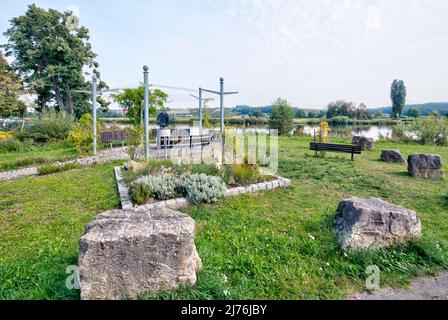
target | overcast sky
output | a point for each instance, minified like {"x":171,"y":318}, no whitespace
{"x":309,"y":52}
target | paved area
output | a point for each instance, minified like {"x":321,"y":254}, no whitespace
{"x":420,"y":289}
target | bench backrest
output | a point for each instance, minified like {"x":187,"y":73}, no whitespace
{"x":113,"y":136}
{"x":343,"y":148}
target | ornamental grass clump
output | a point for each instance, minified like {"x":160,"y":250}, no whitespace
{"x":200,"y":188}
{"x":161,"y":187}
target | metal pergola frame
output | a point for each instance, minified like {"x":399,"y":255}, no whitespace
{"x":145,"y":110}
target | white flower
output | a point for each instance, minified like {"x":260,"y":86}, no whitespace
{"x":226,"y":293}
{"x":311,"y":236}
{"x":224,"y":277}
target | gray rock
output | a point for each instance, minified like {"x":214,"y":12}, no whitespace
{"x":425,"y":166}
{"x":365,"y":143}
{"x":366,"y":223}
{"x":392,"y":156}
{"x":124,"y":253}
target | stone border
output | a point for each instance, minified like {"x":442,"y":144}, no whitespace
{"x":103,"y":156}
{"x":123,"y":190}
{"x":178,"y":203}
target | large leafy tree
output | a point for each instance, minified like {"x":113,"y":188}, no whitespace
{"x":51,"y":52}
{"x":340,"y":108}
{"x":10,"y":90}
{"x":413,"y":113}
{"x":282,"y":116}
{"x":300,"y":113}
{"x":398,"y":97}
{"x":132,"y":101}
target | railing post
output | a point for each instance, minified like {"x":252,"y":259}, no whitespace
{"x":94,"y":112}
{"x":146,"y":94}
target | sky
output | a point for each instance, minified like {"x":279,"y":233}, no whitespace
{"x":310,"y":52}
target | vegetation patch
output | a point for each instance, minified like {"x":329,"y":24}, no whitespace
{"x":44,"y":170}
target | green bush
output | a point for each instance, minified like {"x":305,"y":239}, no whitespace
{"x":161,"y":186}
{"x":82,"y":135}
{"x":431,"y":130}
{"x":44,"y":170}
{"x":200,"y":188}
{"x":245,"y":174}
{"x":13,"y":145}
{"x":339,"y":120}
{"x":52,"y":127}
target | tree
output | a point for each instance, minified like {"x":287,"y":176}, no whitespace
{"x":434,"y":113}
{"x":11,"y":88}
{"x":300,"y":114}
{"x":341,"y":108}
{"x":313,"y":114}
{"x":51,"y":52}
{"x":398,"y":97}
{"x":413,"y":113}
{"x":282,"y":117}
{"x":379,"y":114}
{"x":132,"y":100}
{"x":256,"y":113}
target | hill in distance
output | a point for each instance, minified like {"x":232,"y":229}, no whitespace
{"x":424,"y":108}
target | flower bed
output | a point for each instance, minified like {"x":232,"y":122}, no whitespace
{"x":160,"y":183}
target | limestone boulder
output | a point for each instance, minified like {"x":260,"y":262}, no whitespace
{"x":125,"y":253}
{"x":374,"y":223}
{"x":425,"y":166}
{"x":365,"y":143}
{"x":392,"y":156}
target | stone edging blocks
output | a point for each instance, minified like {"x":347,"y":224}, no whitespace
{"x":183,"y":202}
{"x":122,"y":190}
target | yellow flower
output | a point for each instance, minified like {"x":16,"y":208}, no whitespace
{"x":5,"y":136}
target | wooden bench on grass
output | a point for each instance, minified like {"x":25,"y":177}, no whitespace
{"x":341,"y":148}
{"x":113,"y":136}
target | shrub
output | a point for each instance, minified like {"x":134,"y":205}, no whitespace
{"x":200,"y":188}
{"x":132,"y":136}
{"x":161,"y":186}
{"x":82,"y":135}
{"x":44,"y":170}
{"x":5,"y":135}
{"x":52,"y":127}
{"x":13,"y":145}
{"x":245,"y":174}
{"x":208,"y":169}
{"x":431,"y":130}
{"x":340,"y":120}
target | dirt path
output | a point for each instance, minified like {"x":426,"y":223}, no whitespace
{"x":421,"y":289}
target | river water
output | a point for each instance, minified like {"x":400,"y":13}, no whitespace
{"x":375,"y":132}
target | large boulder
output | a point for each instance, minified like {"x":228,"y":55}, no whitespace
{"x":425,"y":166}
{"x":392,"y":156}
{"x":366,"y":223}
{"x":365,"y":143}
{"x":126,"y":253}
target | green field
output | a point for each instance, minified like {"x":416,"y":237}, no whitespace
{"x":37,"y":155}
{"x":271,"y":245}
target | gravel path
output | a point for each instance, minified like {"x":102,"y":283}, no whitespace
{"x":421,"y":289}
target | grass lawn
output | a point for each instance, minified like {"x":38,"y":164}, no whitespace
{"x":271,"y":245}
{"x":41,"y":219}
{"x":38,"y":155}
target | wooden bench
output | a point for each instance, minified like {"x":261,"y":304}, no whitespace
{"x":113,"y":136}
{"x":341,"y":148}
